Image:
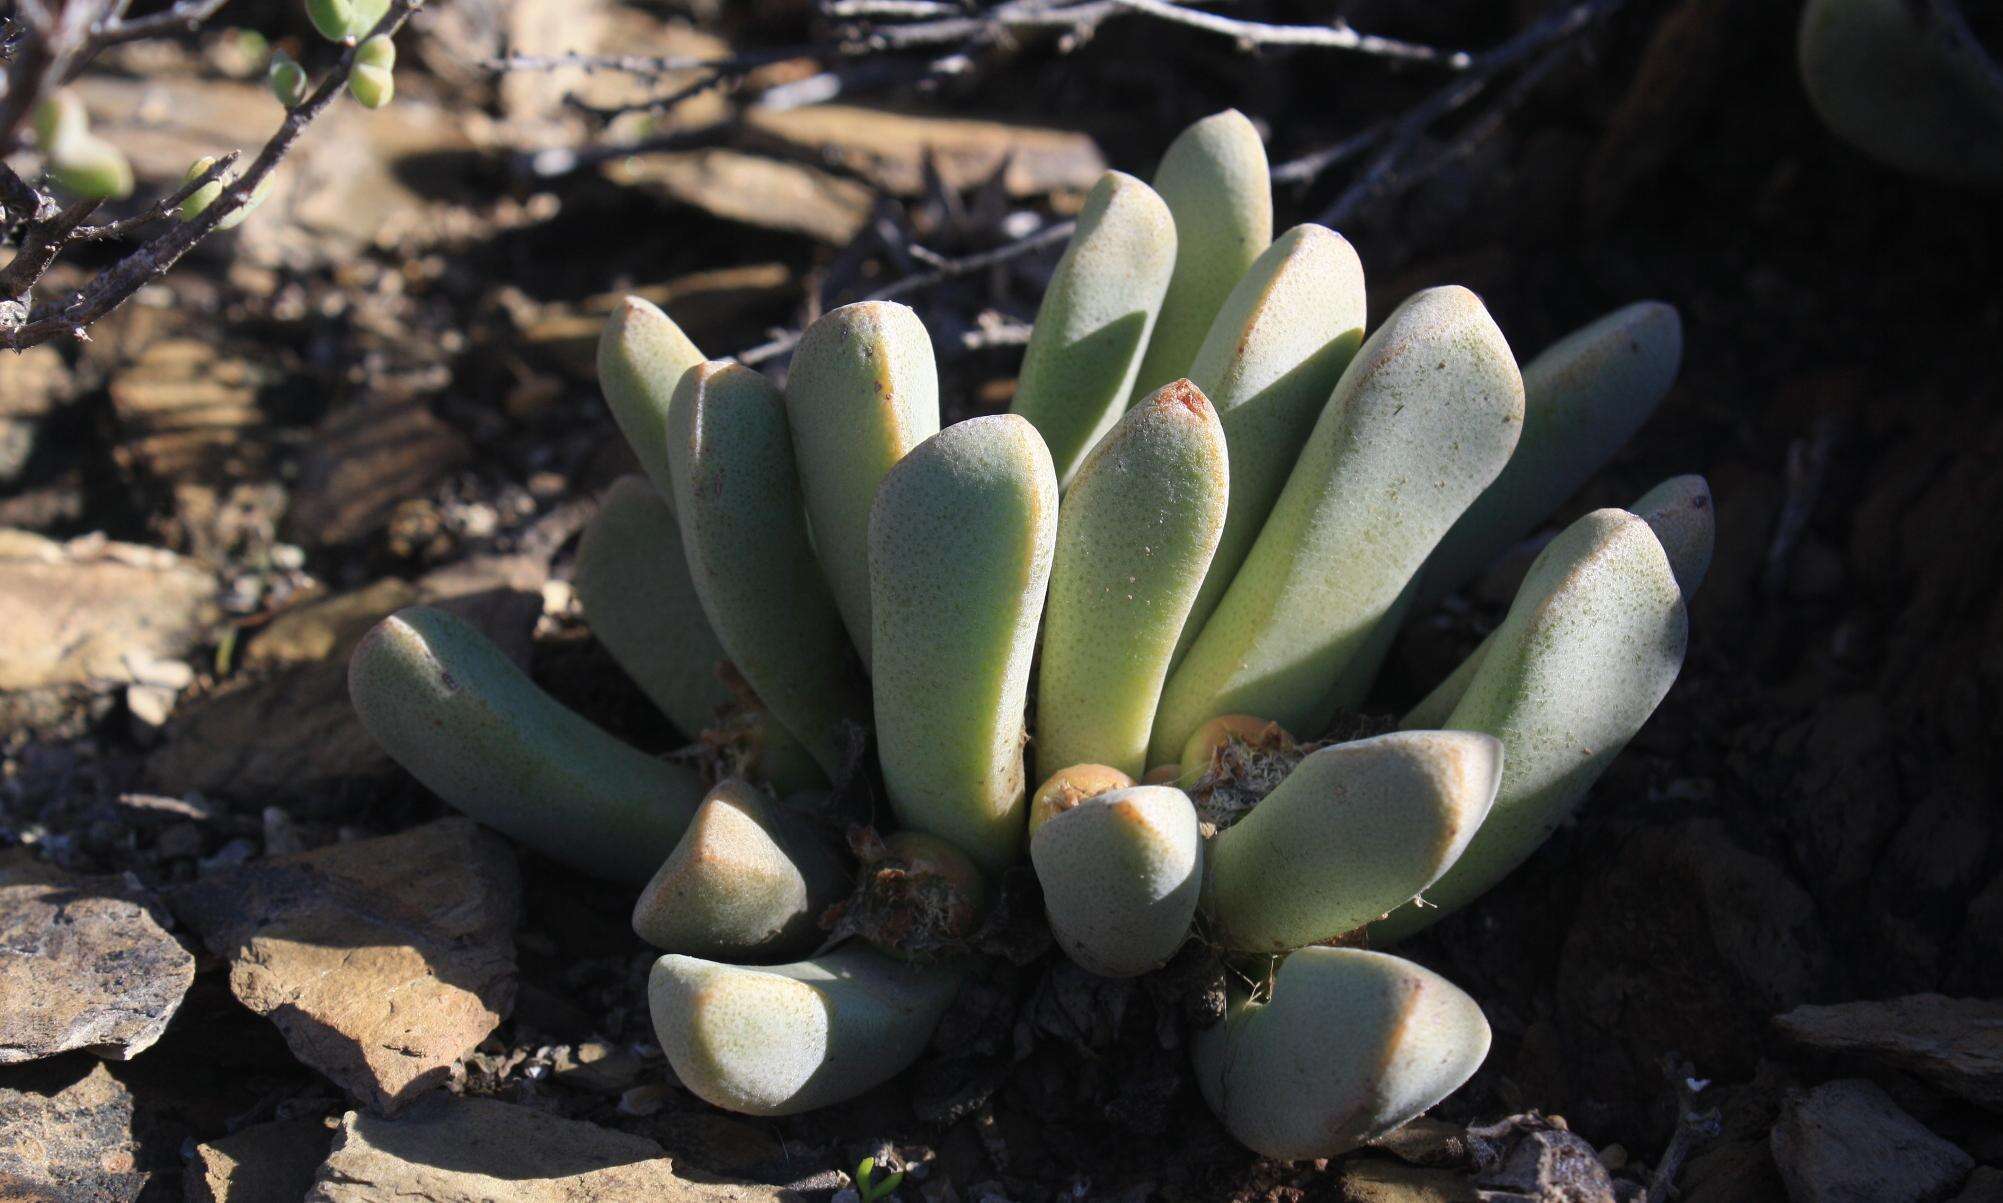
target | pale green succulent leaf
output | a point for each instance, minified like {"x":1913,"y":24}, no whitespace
{"x":747,"y":882}
{"x":1424,"y":417}
{"x":1093,"y":324}
{"x":1121,"y":873}
{"x":744,"y":536}
{"x":783,"y":1039}
{"x":961,"y":539}
{"x":1906,"y":86}
{"x":1217,"y":186}
{"x":642,"y":356}
{"x":449,"y":706}
{"x":861,"y":392}
{"x":632,"y":580}
{"x":1351,"y":1045}
{"x":1591,"y":644}
{"x":1272,"y":357}
{"x":1134,"y":537}
{"x":1355,"y":830}
{"x":1583,"y":397}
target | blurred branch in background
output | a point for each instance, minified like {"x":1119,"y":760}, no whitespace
{"x":48,"y":44}
{"x":876,"y":45}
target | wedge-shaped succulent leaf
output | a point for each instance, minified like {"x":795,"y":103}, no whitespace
{"x":642,"y":356}
{"x":738,"y":501}
{"x":1134,"y":537}
{"x":960,"y":544}
{"x":784,"y":1039}
{"x":1679,"y":512}
{"x":1079,"y":367}
{"x":1355,"y":830}
{"x":1069,"y":786}
{"x":1423,"y":419}
{"x":1592,"y":642}
{"x":1217,"y":186}
{"x":1583,"y":397}
{"x":1272,"y":357}
{"x":861,"y":393}
{"x":747,"y":882}
{"x":1121,"y":873}
{"x":1906,"y":83}
{"x":1351,"y":1045}
{"x":453,"y":709}
{"x":633,"y":583}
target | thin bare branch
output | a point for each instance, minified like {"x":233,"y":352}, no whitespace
{"x":945,"y":269}
{"x":115,"y":285}
{"x":185,"y":16}
{"x":1382,"y":176}
{"x":1337,"y":36}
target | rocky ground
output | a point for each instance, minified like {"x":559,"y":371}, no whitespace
{"x":246,"y":958}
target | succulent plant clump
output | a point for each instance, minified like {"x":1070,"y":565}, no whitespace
{"x":1190,"y":542}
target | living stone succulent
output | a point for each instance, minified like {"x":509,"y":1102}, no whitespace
{"x":1107,"y":631}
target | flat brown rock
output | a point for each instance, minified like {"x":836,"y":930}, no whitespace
{"x":381,"y":961}
{"x":89,"y":966}
{"x":753,"y":190}
{"x":66,"y":1134}
{"x":267,"y":1163}
{"x":362,"y":461}
{"x":473,"y":1150}
{"x":890,"y":148}
{"x":96,"y":614}
{"x":1848,"y":1142}
{"x":1953,"y":1043}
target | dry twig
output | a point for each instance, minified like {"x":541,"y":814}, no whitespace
{"x":59,"y":42}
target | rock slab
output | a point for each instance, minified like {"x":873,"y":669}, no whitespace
{"x":85,"y":963}
{"x":1848,"y":1142}
{"x":382,"y":961}
{"x":266,"y":1163}
{"x":1955,"y":1044}
{"x":66,"y":1134}
{"x":473,"y":1150}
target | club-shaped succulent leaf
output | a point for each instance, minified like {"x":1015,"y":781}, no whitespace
{"x":633,"y":582}
{"x":60,"y":117}
{"x":782,"y":1039}
{"x":744,"y":533}
{"x":454,"y":710}
{"x":1121,"y":873}
{"x":746,"y":539}
{"x":1134,"y":538}
{"x":372,"y":82}
{"x":1907,"y":84}
{"x":1351,"y":1045}
{"x":338,"y":19}
{"x":204,"y":196}
{"x":960,"y":544}
{"x":1591,"y":644}
{"x":861,"y":393}
{"x":287,"y":79}
{"x":90,"y":168}
{"x":1217,"y":186}
{"x":642,"y":356}
{"x":1423,"y":419}
{"x":1583,"y":397}
{"x":1355,"y":830}
{"x":1272,"y":357}
{"x":747,"y":882}
{"x":1093,"y":324}
{"x":1679,"y":512}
